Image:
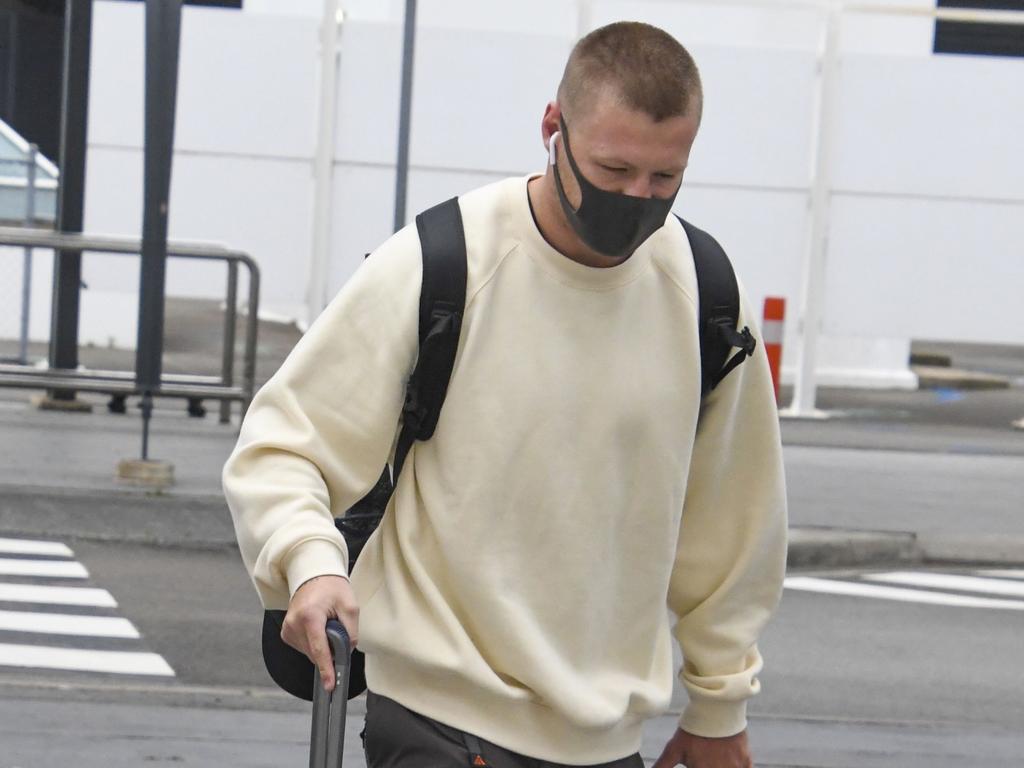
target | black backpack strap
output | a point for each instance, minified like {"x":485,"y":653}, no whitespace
{"x":718,"y":310}
{"x":442,"y":300}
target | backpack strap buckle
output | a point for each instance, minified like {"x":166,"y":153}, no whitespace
{"x":743,"y":340}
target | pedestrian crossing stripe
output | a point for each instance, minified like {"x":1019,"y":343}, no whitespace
{"x":40,"y":616}
{"x":64,"y":624}
{"x":56,"y":569}
{"x":984,"y":589}
{"x":1002,"y":574}
{"x":29,"y":547}
{"x":950,"y":581}
{"x":84,"y":660}
{"x":35,"y":593}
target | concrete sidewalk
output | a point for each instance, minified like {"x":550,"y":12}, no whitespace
{"x":57,"y":478}
{"x":57,"y":469}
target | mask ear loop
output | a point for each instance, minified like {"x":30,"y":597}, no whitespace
{"x":551,"y":147}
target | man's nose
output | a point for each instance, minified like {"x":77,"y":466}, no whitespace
{"x":639,"y":186}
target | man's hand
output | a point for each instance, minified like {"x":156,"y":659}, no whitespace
{"x":698,"y":752}
{"x":304,"y":628}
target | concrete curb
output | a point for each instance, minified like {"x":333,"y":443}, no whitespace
{"x":202,"y":521}
{"x":198,"y":521}
{"x":821,"y":548}
{"x":825,"y":548}
{"x":938,"y":377}
{"x":998,"y":549}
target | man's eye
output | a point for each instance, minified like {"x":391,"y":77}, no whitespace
{"x":665,"y":175}
{"x":613,"y":169}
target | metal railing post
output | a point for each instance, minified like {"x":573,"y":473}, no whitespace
{"x":251,"y":329}
{"x":26,"y":272}
{"x":126,"y":383}
{"x":67,"y":273}
{"x":227,"y":370}
{"x":405,"y":114}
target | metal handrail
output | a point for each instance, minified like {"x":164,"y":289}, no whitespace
{"x":171,"y":386}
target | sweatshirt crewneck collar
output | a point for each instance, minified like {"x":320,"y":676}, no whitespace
{"x":561,"y":266}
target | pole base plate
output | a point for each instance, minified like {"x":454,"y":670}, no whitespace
{"x":150,"y":473}
{"x":47,"y":403}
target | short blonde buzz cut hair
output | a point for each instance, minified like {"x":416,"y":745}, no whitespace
{"x":645,"y":68}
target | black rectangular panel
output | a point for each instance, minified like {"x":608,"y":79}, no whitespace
{"x":980,"y":39}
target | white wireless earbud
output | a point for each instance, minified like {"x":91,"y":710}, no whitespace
{"x":551,"y":147}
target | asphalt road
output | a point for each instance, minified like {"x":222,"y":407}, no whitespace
{"x":956,"y":494}
{"x":850,"y":681}
{"x":834,"y":656}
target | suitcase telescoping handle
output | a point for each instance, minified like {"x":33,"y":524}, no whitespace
{"x":326,"y":743}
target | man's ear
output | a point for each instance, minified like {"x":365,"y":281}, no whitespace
{"x":549,"y":124}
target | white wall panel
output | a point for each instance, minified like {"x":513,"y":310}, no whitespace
{"x":761,"y":26}
{"x":363,"y":215}
{"x":710,"y":23}
{"x":369,"y":83}
{"x":11,"y":286}
{"x":261,"y":206}
{"x":109,"y":317}
{"x":758,"y":118}
{"x":428,"y":187}
{"x":926,"y":269}
{"x":307,"y":8}
{"x":553,"y":17}
{"x":117,"y":74}
{"x":889,"y":34}
{"x":113,"y":191}
{"x":247,"y":83}
{"x":364,"y":208}
{"x":943,"y":125}
{"x":465,"y":115}
{"x":472,"y":116}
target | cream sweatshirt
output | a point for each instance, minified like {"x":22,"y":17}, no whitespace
{"x":517,"y":587}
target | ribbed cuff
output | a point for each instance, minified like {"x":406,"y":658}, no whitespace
{"x":714,"y":719}
{"x":316,"y":557}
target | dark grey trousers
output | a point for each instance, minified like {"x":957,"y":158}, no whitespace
{"x":396,"y":737}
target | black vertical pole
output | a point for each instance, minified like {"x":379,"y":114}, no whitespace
{"x":405,"y":114}
{"x":163,"y":33}
{"x":67,"y":278}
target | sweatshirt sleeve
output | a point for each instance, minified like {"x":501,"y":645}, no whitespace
{"x":731,"y":555}
{"x":318,"y":434}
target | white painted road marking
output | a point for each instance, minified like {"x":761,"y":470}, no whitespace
{"x":66,"y":624}
{"x":34,"y":593}
{"x":951,"y":581}
{"x":27,"y":547}
{"x":62,"y":569}
{"x":1002,"y":574}
{"x":854,"y":589}
{"x":114,"y":662}
{"x":33,"y":561}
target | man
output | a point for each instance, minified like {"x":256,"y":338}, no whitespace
{"x":515,"y":593}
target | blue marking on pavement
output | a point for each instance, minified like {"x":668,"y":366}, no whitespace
{"x":946,"y":395}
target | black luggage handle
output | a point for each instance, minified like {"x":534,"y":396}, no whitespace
{"x":327,"y":741}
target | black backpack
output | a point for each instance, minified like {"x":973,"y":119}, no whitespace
{"x":442,"y":300}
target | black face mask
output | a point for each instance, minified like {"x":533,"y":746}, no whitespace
{"x":609,"y":222}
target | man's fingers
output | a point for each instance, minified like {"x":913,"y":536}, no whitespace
{"x":293,"y":635}
{"x":320,"y":653}
{"x":310,"y":638}
{"x":349,"y":618}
